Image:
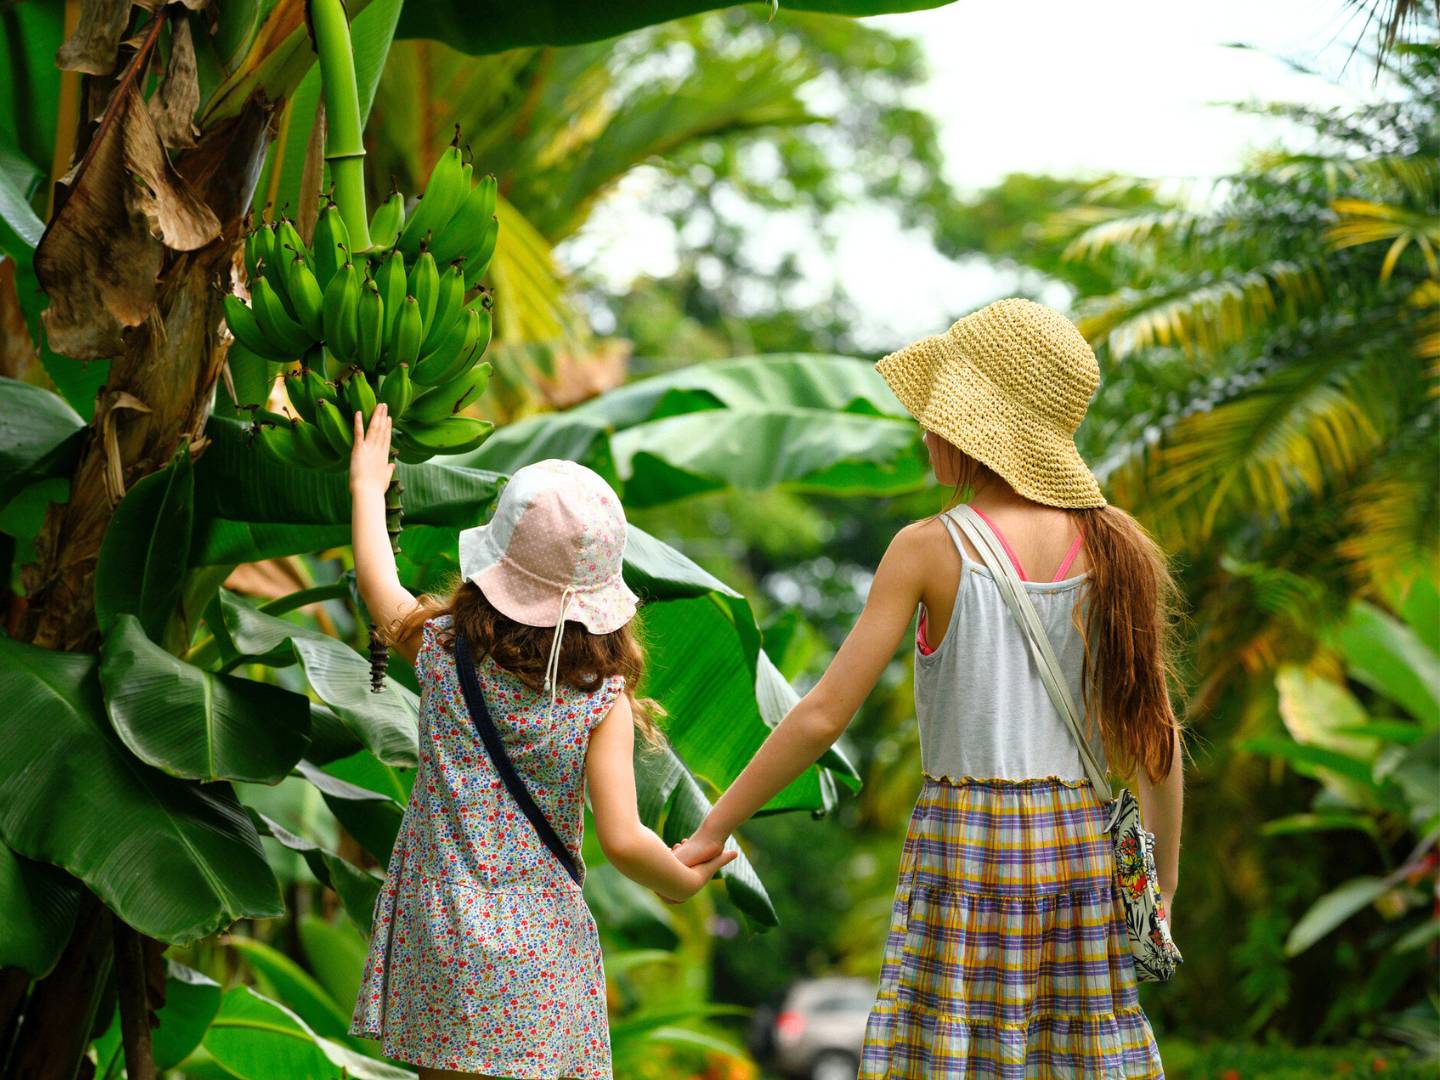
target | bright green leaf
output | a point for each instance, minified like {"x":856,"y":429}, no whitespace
{"x":174,"y":859}
{"x":1332,"y":909}
{"x":40,"y":903}
{"x":192,"y":723}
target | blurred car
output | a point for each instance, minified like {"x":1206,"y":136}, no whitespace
{"x":817,"y":1032}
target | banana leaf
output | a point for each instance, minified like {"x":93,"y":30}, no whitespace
{"x":282,"y":978}
{"x":255,"y":1038}
{"x":385,"y":723}
{"x":335,"y":953}
{"x":40,"y":436}
{"x":40,"y":903}
{"x":175,"y":859}
{"x":191,"y":1000}
{"x":491,"y":26}
{"x":192,"y":723}
{"x":356,"y":888}
{"x":1392,"y":659}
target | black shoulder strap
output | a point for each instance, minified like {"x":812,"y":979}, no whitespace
{"x":475,"y":702}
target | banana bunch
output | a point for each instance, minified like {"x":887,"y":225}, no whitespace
{"x":395,"y":323}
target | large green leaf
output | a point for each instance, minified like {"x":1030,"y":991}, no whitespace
{"x":175,"y":859}
{"x":138,"y":572}
{"x":191,"y":1000}
{"x":40,"y":436}
{"x":335,"y":952}
{"x":286,"y":981}
{"x":192,"y":723}
{"x":1390,"y":658}
{"x":255,"y":1038}
{"x":813,"y":423}
{"x":697,"y":670}
{"x":356,"y":888}
{"x":490,"y":26}
{"x":386,"y":723}
{"x":39,"y":903}
{"x":372,"y":818}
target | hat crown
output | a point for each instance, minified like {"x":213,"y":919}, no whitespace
{"x":1033,"y":355}
{"x":561,"y":523}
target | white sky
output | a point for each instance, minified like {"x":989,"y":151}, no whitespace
{"x":1055,"y":86}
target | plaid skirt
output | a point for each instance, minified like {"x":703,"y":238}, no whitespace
{"x":1007,"y":954}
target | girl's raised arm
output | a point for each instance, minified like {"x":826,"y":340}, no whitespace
{"x":375,"y":573}
{"x":820,"y":717}
{"x":630,"y":847}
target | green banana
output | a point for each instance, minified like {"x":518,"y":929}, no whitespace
{"x":306,"y":299}
{"x":298,"y":391}
{"x":333,"y":365}
{"x":444,"y":192}
{"x":336,"y":428}
{"x":371,"y":335}
{"x":436,"y":404}
{"x":314,"y":448}
{"x":386,"y":222}
{"x":360,"y":395}
{"x":340,"y":310}
{"x":404,"y":344}
{"x":288,"y":242}
{"x":457,"y":352}
{"x":477,"y":260}
{"x":453,"y":435}
{"x":259,"y":248}
{"x":397,"y":391}
{"x":284,"y":333}
{"x":246,"y":329}
{"x":281,"y":445}
{"x":391,"y":279}
{"x":408,"y":452}
{"x":425,"y":285}
{"x":468,"y":222}
{"x":317,"y":389}
{"x":449,"y":302}
{"x":332,"y":244}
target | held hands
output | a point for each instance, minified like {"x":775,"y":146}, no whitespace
{"x":692,"y":877}
{"x":700,"y":849}
{"x":370,"y":464}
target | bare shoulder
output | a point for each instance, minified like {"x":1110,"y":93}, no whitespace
{"x":918,"y":546}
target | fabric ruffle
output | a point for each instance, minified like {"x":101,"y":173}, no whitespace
{"x":1007,"y":954}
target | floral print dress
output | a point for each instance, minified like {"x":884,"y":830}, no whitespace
{"x":483,"y":956}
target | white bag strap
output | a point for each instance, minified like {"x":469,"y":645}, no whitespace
{"x":1011,"y":588}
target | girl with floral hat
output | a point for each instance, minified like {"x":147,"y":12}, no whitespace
{"x":1028,"y":902}
{"x":483,"y":958}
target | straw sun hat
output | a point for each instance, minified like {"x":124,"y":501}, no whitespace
{"x":1008,"y":385}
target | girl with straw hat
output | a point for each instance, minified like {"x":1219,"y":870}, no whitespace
{"x":1010,"y":945}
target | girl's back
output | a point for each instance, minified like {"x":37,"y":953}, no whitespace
{"x":982,"y":709}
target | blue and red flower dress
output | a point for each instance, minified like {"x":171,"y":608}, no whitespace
{"x":483,"y":956}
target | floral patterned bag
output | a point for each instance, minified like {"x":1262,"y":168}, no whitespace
{"x":1146,"y":922}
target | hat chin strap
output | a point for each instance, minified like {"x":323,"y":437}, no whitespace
{"x":552,"y":666}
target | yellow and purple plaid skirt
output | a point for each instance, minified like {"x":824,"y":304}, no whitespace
{"x":1007,"y":955}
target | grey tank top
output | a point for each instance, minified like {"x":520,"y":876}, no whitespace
{"x":982,"y":709}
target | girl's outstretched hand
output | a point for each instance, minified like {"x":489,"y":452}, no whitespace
{"x":370,"y":464}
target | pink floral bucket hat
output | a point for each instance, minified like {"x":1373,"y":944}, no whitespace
{"x":554,"y":550}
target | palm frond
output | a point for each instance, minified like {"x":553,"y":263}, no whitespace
{"x":1105,"y":228}
{"x":1204,"y":313}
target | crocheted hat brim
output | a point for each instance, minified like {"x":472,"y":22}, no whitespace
{"x":948,"y":396}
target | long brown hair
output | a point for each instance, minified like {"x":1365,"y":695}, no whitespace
{"x":1128,"y":621}
{"x":586,"y":659}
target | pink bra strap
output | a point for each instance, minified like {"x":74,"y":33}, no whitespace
{"x":1069,"y":557}
{"x":1003,"y":542}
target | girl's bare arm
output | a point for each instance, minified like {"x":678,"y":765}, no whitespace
{"x":820,"y":717}
{"x":375,"y":573}
{"x":629,"y":846}
{"x":1161,"y":806}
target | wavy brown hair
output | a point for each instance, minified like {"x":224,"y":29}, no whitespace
{"x":586,"y":659}
{"x":1128,"y":621}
